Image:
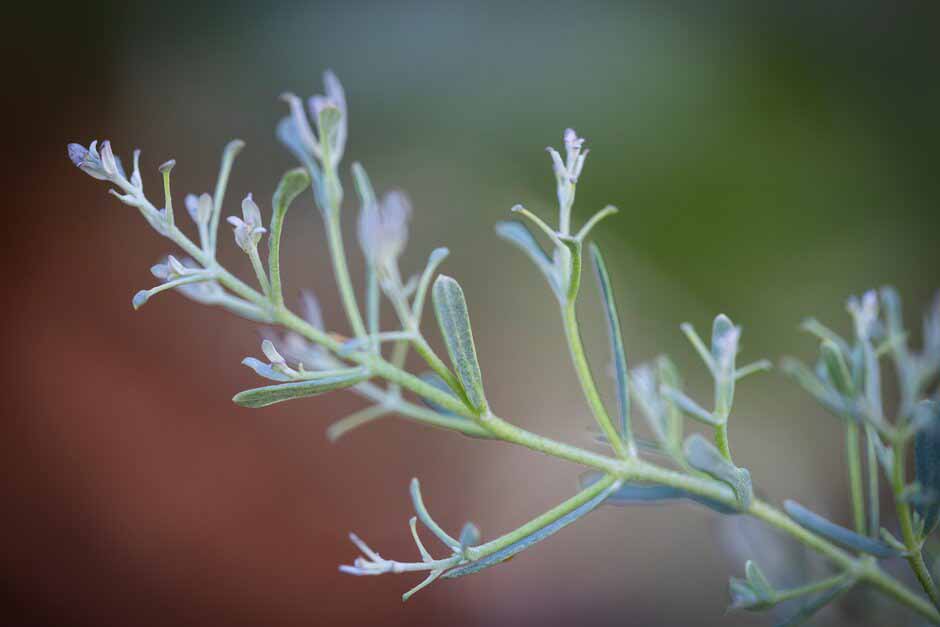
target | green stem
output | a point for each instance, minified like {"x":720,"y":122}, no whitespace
{"x":347,"y":294}
{"x":915,"y":555}
{"x":854,"y":463}
{"x":721,"y":440}
{"x":259,"y":271}
{"x":583,"y":370}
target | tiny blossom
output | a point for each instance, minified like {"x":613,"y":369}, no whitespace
{"x":88,"y":160}
{"x":335,"y":97}
{"x":383,"y":229}
{"x":248,"y":229}
{"x":199,"y":207}
{"x":727,"y":345}
{"x":865,"y":313}
{"x":173,"y":268}
{"x":301,"y":128}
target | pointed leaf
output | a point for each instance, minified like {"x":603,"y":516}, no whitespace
{"x":517,"y":547}
{"x":837,"y":368}
{"x":647,"y":494}
{"x":702,"y":455}
{"x":927,"y":463}
{"x":451,"y":309}
{"x":838,"y":534}
{"x":616,"y":342}
{"x":817,"y":603}
{"x":262,"y":397}
{"x":517,"y":234}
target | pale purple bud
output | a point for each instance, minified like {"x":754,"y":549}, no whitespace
{"x":302,"y":124}
{"x":865,"y":313}
{"x":383,"y":229}
{"x":108,"y":164}
{"x":248,"y":229}
{"x":270,"y":352}
{"x":136,"y":181}
{"x":199,"y":207}
{"x":88,"y":160}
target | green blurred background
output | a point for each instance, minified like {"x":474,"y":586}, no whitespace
{"x":769,"y":159}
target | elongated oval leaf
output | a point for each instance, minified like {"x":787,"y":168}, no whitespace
{"x":703,"y":455}
{"x":262,"y":397}
{"x":451,"y":309}
{"x":837,"y":368}
{"x":837,"y":533}
{"x":616,"y":342}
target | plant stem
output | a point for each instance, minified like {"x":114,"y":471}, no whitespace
{"x":721,"y":440}
{"x":854,"y":463}
{"x":915,"y":554}
{"x":583,"y":370}
{"x":347,"y":294}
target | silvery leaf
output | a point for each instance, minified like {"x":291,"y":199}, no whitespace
{"x":451,"y":309}
{"x":838,"y":534}
{"x":262,"y":397}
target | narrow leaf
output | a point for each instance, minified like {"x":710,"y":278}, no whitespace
{"x":646,"y":494}
{"x":517,"y":234}
{"x":616,"y":344}
{"x":451,"y":309}
{"x":702,"y":455}
{"x":927,"y":465}
{"x":262,"y":397}
{"x":837,"y":368}
{"x":838,"y":534}
{"x":521,"y":545}
{"x":814,"y":605}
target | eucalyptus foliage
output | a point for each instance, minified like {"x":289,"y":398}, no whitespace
{"x":300,"y":358}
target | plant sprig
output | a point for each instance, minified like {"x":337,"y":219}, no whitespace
{"x":301,"y":358}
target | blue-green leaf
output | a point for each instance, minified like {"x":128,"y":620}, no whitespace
{"x":927,"y":461}
{"x":616,"y":342}
{"x":702,"y":455}
{"x":817,"y":603}
{"x":837,"y":368}
{"x":451,"y":309}
{"x":262,"y":397}
{"x":837,"y":533}
{"x":519,"y":235}
{"x":521,"y":545}
{"x":648,"y":494}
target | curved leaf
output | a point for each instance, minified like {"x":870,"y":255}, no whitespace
{"x":837,"y":533}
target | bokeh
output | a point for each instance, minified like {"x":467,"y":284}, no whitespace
{"x":769,"y":160}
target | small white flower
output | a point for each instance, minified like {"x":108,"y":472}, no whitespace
{"x":199,"y":207}
{"x":865,"y":313}
{"x":88,"y":160}
{"x":303,"y":130}
{"x":383,"y":230}
{"x":727,"y":348}
{"x":248,"y":229}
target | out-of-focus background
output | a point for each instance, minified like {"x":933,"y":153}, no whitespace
{"x":768,"y":161}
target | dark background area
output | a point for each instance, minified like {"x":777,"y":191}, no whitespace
{"x":769,"y":160}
